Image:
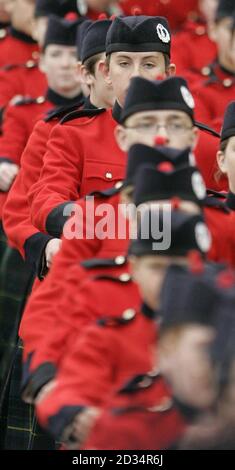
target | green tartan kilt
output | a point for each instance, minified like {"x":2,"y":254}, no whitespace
{"x":21,"y":430}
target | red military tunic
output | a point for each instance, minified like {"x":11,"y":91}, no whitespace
{"x":141,"y":416}
{"x":213,"y":93}
{"x":16,"y":214}
{"x":22,"y":79}
{"x":82,"y":156}
{"x":41,"y":310}
{"x":17,"y":47}
{"x":84,"y":303}
{"x":21,"y":234}
{"x":103,"y":358}
{"x":18,"y":124}
{"x":192,"y":49}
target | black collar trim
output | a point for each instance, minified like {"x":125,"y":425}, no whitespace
{"x":116,"y":112}
{"x":22,"y":36}
{"x":60,"y":100}
{"x":148,"y":312}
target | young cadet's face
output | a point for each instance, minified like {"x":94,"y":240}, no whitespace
{"x":149,"y":273}
{"x":59,"y":64}
{"x":126,"y":65}
{"x":101,"y":92}
{"x":142,"y":128}
{"x":184,"y":361}
{"x":226,"y":162}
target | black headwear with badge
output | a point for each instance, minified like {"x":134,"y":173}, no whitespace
{"x":145,"y":95}
{"x":170,"y":233}
{"x":139,"y":34}
{"x":155,"y":184}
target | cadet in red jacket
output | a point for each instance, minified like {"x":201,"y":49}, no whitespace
{"x":77,"y":167}
{"x":26,"y":78}
{"x":64,"y":88}
{"x":214,"y":92}
{"x":98,"y":343}
{"x":27,"y":239}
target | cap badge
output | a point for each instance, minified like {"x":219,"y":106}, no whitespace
{"x":203,"y":237}
{"x":187,"y":97}
{"x":198,"y":185}
{"x":163,"y":33}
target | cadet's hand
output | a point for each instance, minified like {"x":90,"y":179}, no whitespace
{"x":28,"y":397}
{"x":8,"y":172}
{"x":81,"y":427}
{"x":47,"y":388}
{"x":53,"y":246}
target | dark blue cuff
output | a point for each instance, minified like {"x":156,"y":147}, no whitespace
{"x":58,"y":422}
{"x":230,"y":201}
{"x":34,"y":248}
{"x":56,"y":220}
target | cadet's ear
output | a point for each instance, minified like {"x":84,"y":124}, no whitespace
{"x":121,"y":138}
{"x":86,"y":77}
{"x":104,"y":69}
{"x":220,"y":157}
{"x":171,"y":70}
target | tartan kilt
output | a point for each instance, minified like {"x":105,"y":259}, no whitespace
{"x":21,"y":430}
{"x":15,"y":283}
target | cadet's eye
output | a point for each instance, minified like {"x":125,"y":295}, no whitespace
{"x":56,"y":54}
{"x":149,"y":65}
{"x":123,"y":64}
